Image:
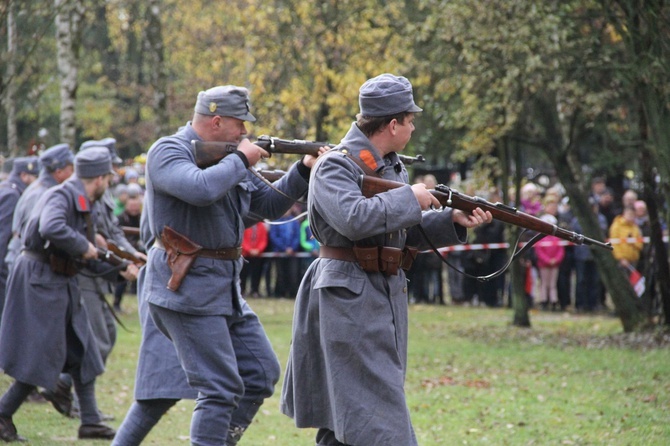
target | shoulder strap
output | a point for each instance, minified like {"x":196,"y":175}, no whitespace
{"x":360,"y":163}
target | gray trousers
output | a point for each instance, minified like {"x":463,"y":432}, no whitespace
{"x":229,"y":361}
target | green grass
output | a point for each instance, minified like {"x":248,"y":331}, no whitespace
{"x":472,"y":380}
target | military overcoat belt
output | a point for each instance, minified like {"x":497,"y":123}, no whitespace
{"x":220,"y":254}
{"x":384,"y":259}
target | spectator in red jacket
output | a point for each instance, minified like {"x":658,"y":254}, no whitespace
{"x":549,"y":253}
{"x":254,"y":243}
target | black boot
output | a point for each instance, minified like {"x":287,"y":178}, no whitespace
{"x":234,"y":435}
{"x":8,"y":430}
{"x":96,"y":431}
{"x":61,"y":398}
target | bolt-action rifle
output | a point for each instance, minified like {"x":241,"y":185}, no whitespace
{"x":208,"y":153}
{"x":123,"y":254}
{"x":371,"y":186}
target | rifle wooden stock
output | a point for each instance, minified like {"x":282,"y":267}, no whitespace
{"x":271,"y":175}
{"x":111,"y":258}
{"x":130,"y":230}
{"x":208,"y":153}
{"x":372,"y":186}
{"x":122,"y":253}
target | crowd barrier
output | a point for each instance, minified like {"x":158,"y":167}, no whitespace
{"x":480,"y":246}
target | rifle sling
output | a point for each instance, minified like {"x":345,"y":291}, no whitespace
{"x":536,"y":238}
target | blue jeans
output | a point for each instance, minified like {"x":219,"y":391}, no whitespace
{"x":228,"y":360}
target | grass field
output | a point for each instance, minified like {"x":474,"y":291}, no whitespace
{"x":472,"y":380}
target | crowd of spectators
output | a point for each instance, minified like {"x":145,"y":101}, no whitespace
{"x":559,"y":276}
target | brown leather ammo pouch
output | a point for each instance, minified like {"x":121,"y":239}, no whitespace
{"x":63,"y":265}
{"x":181,"y":252}
{"x":367,"y":258}
{"x":389,"y":260}
{"x":408,"y":256}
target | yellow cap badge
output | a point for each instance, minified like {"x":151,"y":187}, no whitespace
{"x":30,"y":166}
{"x":212,"y":107}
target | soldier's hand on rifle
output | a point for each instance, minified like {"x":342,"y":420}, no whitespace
{"x":92,"y":252}
{"x":142,"y":256}
{"x":470,"y":220}
{"x":309,"y":160}
{"x":424,"y":197}
{"x":253,"y":153}
{"x":130,"y":273}
{"x":100,"y":241}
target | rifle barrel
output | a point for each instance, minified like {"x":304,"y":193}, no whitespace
{"x":449,"y":197}
{"x":208,"y":153}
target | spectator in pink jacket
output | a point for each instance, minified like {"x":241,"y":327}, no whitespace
{"x":549,"y":253}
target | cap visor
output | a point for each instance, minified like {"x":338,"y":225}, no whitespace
{"x":248,"y":117}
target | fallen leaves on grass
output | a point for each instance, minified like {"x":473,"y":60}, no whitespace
{"x":431,"y":383}
{"x":643,"y":341}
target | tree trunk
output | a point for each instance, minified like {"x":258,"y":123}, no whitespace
{"x":68,"y":41}
{"x":617,"y":284}
{"x":154,"y":35}
{"x":656,"y":161}
{"x":10,"y":93}
{"x":518,"y":270}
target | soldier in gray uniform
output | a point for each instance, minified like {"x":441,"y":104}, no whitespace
{"x":24,"y":171}
{"x":220,"y":343}
{"x":45,"y":329}
{"x":56,"y":166}
{"x":93,"y":290}
{"x":348,"y":357}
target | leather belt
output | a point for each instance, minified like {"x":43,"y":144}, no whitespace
{"x":37,"y":256}
{"x":373,"y":259}
{"x":336,"y":253}
{"x":219,"y":254}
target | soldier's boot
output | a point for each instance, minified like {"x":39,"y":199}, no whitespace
{"x":234,"y":435}
{"x":61,"y":398}
{"x":96,"y":431}
{"x":8,"y":431}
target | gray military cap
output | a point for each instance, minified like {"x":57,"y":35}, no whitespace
{"x":225,"y":100}
{"x":386,"y":95}
{"x":57,"y":157}
{"x":110,"y":143}
{"x":26,"y":164}
{"x":93,"y":162}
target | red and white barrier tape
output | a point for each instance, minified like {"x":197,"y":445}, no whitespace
{"x":476,"y":246}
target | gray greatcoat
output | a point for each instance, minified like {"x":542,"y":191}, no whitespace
{"x":24,"y":207}
{"x":159,"y":374}
{"x":94,"y":289}
{"x":10,"y":192}
{"x":348,"y":357}
{"x":42,"y":304}
{"x":212,"y":207}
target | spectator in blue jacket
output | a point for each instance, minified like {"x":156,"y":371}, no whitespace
{"x":285,"y":239}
